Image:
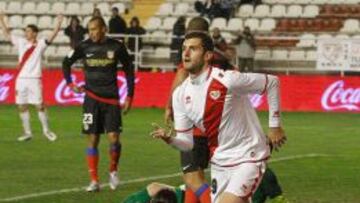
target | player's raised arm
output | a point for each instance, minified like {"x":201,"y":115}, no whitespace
{"x":262,"y":83}
{"x":128,"y":68}
{"x":57,"y":28}
{"x":68,"y":61}
{"x":4,"y":27}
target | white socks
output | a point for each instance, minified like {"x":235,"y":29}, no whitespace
{"x":25,"y":118}
{"x":44,"y":121}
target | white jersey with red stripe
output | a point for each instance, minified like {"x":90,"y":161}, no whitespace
{"x":217,"y":102}
{"x":32,"y":66}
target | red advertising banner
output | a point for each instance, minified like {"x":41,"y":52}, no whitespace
{"x":298,"y":93}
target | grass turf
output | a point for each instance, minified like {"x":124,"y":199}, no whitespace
{"x":39,"y":166}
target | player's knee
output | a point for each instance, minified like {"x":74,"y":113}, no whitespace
{"x":23,"y":108}
{"x":194,"y":180}
{"x":114,"y":137}
{"x":93,"y":140}
{"x":40,"y":107}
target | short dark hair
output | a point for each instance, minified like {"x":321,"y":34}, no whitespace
{"x":164,"y":196}
{"x":207,"y":42}
{"x":198,"y":24}
{"x":115,"y":9}
{"x":33,"y":27}
{"x":99,"y":19}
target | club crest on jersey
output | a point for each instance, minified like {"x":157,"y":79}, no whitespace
{"x":110,"y":54}
{"x":215,"y":94}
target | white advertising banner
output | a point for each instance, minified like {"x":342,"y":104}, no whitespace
{"x":337,"y":54}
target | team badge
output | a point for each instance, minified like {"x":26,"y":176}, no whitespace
{"x":110,"y":54}
{"x":215,"y":94}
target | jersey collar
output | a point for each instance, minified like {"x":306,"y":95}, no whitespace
{"x":200,"y":79}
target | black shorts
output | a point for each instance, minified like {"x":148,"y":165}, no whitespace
{"x":197,"y":158}
{"x":99,"y":117}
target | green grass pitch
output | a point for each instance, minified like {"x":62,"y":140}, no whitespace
{"x":39,"y":171}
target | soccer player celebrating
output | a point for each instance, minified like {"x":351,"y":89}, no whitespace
{"x":28,"y":85}
{"x":216,"y":102}
{"x":101,"y":112}
{"x":195,"y":161}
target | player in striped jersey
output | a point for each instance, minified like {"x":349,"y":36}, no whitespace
{"x":28,"y":85}
{"x":216,"y":102}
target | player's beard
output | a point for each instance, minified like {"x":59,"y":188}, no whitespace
{"x":196,"y":68}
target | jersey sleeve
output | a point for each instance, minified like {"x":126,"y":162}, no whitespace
{"x":43,"y":44}
{"x":183,"y":141}
{"x":128,"y":68}
{"x":245,"y":83}
{"x":181,"y":121}
{"x":69,"y":60}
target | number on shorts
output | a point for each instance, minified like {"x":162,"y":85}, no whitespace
{"x":88,"y":118}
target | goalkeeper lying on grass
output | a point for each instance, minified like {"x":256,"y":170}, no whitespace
{"x":269,"y":188}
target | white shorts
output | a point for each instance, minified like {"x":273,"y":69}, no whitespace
{"x":28,"y":91}
{"x":241,"y":180}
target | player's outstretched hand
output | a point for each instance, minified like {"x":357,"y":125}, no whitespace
{"x":127,"y":105}
{"x":159,"y":132}
{"x":277,"y":137}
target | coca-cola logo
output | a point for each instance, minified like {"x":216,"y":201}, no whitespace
{"x":336,"y":96}
{"x":64,"y":94}
{"x":4,"y":87}
{"x":256,"y":100}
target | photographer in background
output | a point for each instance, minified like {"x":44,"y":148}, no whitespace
{"x":245,"y":48}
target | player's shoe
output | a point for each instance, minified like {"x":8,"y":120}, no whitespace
{"x":50,"y":136}
{"x":24,"y":137}
{"x":113,"y":180}
{"x":93,"y":187}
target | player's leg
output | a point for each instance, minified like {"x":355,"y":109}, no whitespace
{"x":45,"y":122}
{"x":114,"y":153}
{"x":35,"y":97}
{"x":272,"y":188}
{"x":112,"y":125}
{"x":243,"y":180}
{"x":25,"y":120}
{"x":197,"y":189}
{"x":92,"y":127}
{"x":21,"y":100}
{"x":92,"y":157}
{"x":193,"y":163}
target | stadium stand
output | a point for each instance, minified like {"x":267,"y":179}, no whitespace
{"x":285,"y":29}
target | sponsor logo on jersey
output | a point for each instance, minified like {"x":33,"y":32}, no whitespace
{"x":337,"y":96}
{"x":89,"y":55}
{"x":99,"y":62}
